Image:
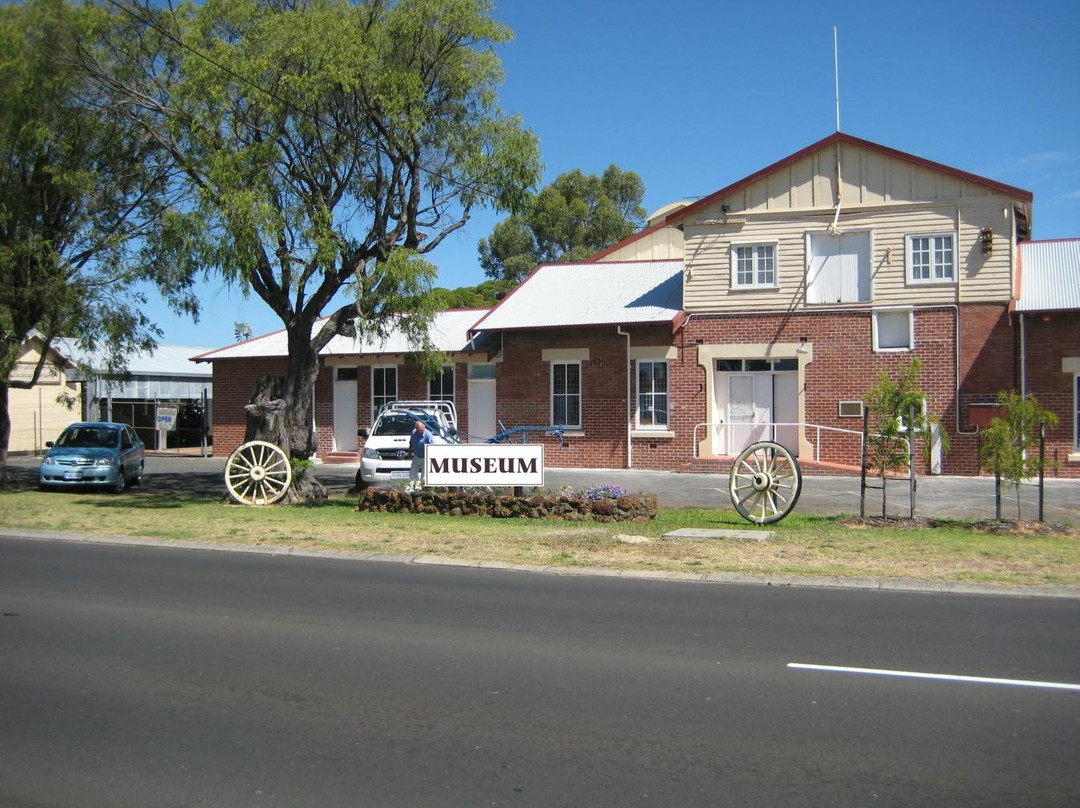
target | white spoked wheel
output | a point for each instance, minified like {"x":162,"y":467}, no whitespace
{"x":258,"y":473}
{"x":765,"y":483}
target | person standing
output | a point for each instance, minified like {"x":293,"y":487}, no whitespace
{"x":418,"y":440}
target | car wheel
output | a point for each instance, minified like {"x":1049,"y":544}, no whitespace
{"x":137,"y":479}
{"x":361,"y":483}
{"x":121,"y":482}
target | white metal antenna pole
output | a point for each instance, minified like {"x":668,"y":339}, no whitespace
{"x":836,"y":75}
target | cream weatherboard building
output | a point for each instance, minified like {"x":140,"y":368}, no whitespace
{"x":804,"y":280}
{"x":40,"y":413}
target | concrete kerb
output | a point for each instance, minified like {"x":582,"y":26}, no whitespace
{"x":824,"y":582}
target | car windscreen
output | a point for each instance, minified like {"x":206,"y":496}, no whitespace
{"x":89,"y":437}
{"x":403,"y":424}
{"x":395,"y":425}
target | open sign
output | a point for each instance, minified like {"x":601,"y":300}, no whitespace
{"x":166,"y":417}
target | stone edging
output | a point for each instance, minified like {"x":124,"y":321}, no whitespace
{"x":629,"y":508}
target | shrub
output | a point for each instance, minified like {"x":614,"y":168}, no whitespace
{"x":1007,"y":443}
{"x":593,"y":493}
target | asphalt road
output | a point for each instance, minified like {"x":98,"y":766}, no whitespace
{"x":951,"y":497}
{"x":133,"y":676}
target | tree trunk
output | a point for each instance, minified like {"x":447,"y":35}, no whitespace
{"x":280,"y":413}
{"x":5,"y":437}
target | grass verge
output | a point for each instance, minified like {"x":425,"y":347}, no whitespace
{"x":803,"y":545}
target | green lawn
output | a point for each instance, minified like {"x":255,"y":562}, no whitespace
{"x":803,"y":545}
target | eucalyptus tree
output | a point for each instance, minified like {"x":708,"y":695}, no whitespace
{"x":78,"y":186}
{"x":324,"y":147}
{"x":575,"y":216}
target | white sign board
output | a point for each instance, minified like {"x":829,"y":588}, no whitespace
{"x":166,"y":418}
{"x":484,"y":464}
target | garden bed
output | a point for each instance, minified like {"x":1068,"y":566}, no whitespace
{"x":625,"y":508}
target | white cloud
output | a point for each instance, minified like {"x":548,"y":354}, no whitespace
{"x":1035,"y":164}
{"x":1045,"y":158}
{"x":1063,"y":199}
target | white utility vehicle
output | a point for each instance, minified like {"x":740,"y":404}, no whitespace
{"x":386,"y":448}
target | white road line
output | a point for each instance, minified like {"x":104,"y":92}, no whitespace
{"x":982,"y":680}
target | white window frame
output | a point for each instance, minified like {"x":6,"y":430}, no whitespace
{"x":924,"y":411}
{"x":851,"y":406}
{"x":1076,"y":412}
{"x":446,"y":370}
{"x":378,"y":401}
{"x":758,"y":254}
{"x":936,"y":274}
{"x":910,"y":346}
{"x":578,"y":394}
{"x":654,"y":395}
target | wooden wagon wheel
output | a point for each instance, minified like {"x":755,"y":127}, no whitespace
{"x":258,"y":473}
{"x":765,"y":483}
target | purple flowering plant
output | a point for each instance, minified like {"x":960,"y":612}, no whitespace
{"x":593,"y":493}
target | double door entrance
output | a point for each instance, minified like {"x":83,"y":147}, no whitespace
{"x":755,"y":400}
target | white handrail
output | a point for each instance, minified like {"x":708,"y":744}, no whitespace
{"x":772,"y":425}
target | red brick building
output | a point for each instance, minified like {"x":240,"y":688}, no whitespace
{"x":763,"y":311}
{"x":1047,"y":314}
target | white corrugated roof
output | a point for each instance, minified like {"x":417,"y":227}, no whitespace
{"x":448,"y":331}
{"x":1049,"y":275}
{"x":616,"y":293}
{"x":165,"y":360}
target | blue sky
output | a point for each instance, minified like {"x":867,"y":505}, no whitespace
{"x":696,"y":95}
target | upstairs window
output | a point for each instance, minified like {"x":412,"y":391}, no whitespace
{"x":838,"y":267}
{"x":931,"y":258}
{"x":753,"y":266}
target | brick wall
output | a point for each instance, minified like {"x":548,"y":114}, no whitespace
{"x":324,"y":411}
{"x":523,"y":392}
{"x":234,"y":382}
{"x":1049,"y":339}
{"x":844,"y":367}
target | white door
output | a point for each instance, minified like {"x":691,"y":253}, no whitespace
{"x":749,"y":409}
{"x":481,"y":409}
{"x":345,"y":410}
{"x":786,"y":409}
{"x":747,"y":406}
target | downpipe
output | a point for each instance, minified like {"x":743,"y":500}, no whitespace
{"x":629,"y":401}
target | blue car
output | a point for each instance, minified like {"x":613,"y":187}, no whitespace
{"x":103,"y":455}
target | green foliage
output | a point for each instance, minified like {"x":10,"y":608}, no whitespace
{"x":1007,"y":445}
{"x":569,"y":220}
{"x":890,"y":404}
{"x":318,"y":146}
{"x":482,"y":295}
{"x":78,"y":186}
{"x":300,"y":464}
